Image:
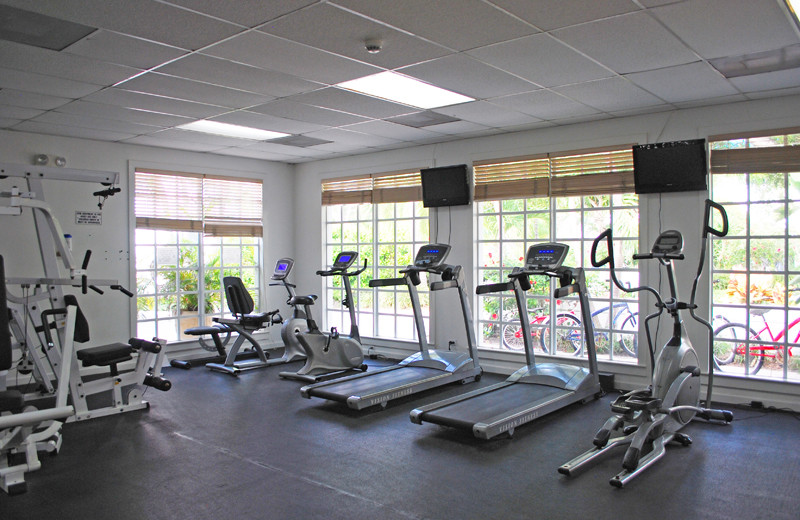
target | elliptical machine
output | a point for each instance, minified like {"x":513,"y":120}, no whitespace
{"x":330,"y":354}
{"x":650,"y":418}
{"x":297,"y":323}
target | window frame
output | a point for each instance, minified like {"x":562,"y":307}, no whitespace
{"x":242,"y":235}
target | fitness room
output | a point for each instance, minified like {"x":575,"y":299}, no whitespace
{"x":399,"y":259}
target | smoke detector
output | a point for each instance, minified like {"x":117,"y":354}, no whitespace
{"x":373,"y":45}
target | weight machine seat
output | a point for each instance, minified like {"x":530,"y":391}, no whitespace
{"x":105,"y":355}
{"x":11,"y":401}
{"x":302,"y":300}
{"x":214,"y":330}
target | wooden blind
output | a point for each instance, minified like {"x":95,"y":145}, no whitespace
{"x":585,"y":172}
{"x":512,"y":178}
{"x":772,"y":159}
{"x":404,"y":186}
{"x":217,"y":206}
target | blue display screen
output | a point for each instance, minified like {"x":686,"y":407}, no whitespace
{"x":344,"y":258}
{"x":547,"y":251}
{"x":431,"y":250}
{"x":282,"y":266}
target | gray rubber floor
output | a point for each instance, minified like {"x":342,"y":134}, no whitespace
{"x":218,"y":447}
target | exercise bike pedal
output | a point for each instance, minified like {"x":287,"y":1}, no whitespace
{"x":631,"y":460}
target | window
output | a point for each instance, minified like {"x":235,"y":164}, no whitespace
{"x":191,"y":231}
{"x":382,"y":218}
{"x":569,"y":198}
{"x":756,"y":267}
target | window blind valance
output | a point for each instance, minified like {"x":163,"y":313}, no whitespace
{"x":217,"y":206}
{"x":404,"y":186}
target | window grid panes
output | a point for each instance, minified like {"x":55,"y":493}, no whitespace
{"x":179,"y":279}
{"x":507,"y":228}
{"x":756,"y":268}
{"x":388,"y":236}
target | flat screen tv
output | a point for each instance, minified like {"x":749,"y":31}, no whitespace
{"x":673,"y":166}
{"x":445,"y":186}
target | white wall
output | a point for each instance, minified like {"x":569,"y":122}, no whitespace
{"x":110,"y":315}
{"x":682,"y":211}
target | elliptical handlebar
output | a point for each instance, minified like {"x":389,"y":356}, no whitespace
{"x":609,"y":248}
{"x":708,"y":228}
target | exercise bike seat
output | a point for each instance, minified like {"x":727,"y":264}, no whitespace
{"x":302,"y":300}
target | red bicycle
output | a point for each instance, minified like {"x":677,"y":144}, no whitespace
{"x":737,"y":345}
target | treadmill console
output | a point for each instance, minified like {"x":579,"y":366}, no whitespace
{"x":545,"y":257}
{"x":345,"y":259}
{"x":668,"y":242}
{"x":431,"y":255}
{"x":282,"y":269}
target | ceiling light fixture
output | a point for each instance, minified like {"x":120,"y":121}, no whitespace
{"x":240,"y":132}
{"x":404,"y":89}
{"x":793,"y":7}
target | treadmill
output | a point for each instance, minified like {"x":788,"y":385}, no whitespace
{"x":428,"y":368}
{"x":537,"y":388}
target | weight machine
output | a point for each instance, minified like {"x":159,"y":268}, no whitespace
{"x":34,"y":323}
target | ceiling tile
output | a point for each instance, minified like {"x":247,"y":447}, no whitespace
{"x":562,"y":65}
{"x":544,"y":104}
{"x":71,"y":131}
{"x":768,"y":81}
{"x":189,"y":90}
{"x":345,"y":34}
{"x":175,"y":144}
{"x":7,"y":123}
{"x":77,"y":68}
{"x":310,"y":114}
{"x":266,"y":122}
{"x":346,"y":137}
{"x":20,"y":113}
{"x":353,"y":103}
{"x":609,"y":95}
{"x":684,"y":82}
{"x":244,"y":12}
{"x":21,"y":98}
{"x":609,"y":42}
{"x":485,"y":113}
{"x":95,"y":123}
{"x":41,"y":84}
{"x":458,"y":127}
{"x":123,"y":50}
{"x":457,"y":24}
{"x":130,"y":99}
{"x":736,"y":98}
{"x":227,"y":73}
{"x":717,"y":28}
{"x":257,"y":154}
{"x":148,"y":19}
{"x":391,"y":130}
{"x":270,"y":52}
{"x":465,"y":75}
{"x":200,"y":137}
{"x":554,"y":14}
{"x":106,"y":111}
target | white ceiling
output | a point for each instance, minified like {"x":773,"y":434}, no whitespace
{"x":151,"y":65}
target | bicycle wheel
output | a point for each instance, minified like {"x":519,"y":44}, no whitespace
{"x":512,"y":337}
{"x":629,"y":338}
{"x":568,"y":335}
{"x":729,"y":349}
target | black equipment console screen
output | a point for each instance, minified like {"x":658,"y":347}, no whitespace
{"x":282,"y":268}
{"x":345,"y":259}
{"x":431,"y":255}
{"x":545,"y":257}
{"x":670,"y":241}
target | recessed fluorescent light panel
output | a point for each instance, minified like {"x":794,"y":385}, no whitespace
{"x":404,"y":89}
{"x":240,"y":132}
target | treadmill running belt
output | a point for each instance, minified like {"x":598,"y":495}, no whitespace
{"x":481,"y":408}
{"x":375,"y":383}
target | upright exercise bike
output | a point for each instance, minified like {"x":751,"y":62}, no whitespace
{"x":298,"y":322}
{"x":330,"y":354}
{"x":650,"y":418}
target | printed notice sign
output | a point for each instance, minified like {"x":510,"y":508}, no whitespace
{"x":89,"y":217}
